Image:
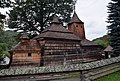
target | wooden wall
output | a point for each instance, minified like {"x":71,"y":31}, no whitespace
{"x":77,"y":29}
{"x":59,"y":51}
{"x":25,"y":59}
{"x":92,"y":52}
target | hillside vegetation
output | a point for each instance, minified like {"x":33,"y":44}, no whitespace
{"x":104,"y":41}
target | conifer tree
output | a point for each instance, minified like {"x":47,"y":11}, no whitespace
{"x":114,"y":25}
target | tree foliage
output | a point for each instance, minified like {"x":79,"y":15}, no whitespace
{"x":2,"y":17}
{"x":114,"y":27}
{"x":8,"y":39}
{"x":3,"y":50}
{"x":103,"y":41}
{"x":5,"y":37}
{"x":4,"y":4}
{"x":34,"y":15}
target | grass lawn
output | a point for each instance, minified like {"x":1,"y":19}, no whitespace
{"x":111,"y":77}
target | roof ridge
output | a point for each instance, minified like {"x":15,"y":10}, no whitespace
{"x":56,"y":30}
{"x":55,"y":19}
{"x":24,"y":36}
{"x":75,"y":19}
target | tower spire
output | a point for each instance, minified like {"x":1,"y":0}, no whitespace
{"x":55,"y":19}
{"x":74,"y":5}
{"x":73,"y":9}
{"x":24,"y":36}
{"x":77,"y":26}
{"x":75,"y":19}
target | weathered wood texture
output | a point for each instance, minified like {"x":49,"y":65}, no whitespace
{"x":77,"y":29}
{"x":100,"y":72}
{"x":89,"y":71}
{"x":44,"y":77}
{"x":77,"y":26}
{"x":25,"y":54}
{"x":25,"y":60}
{"x":59,"y":51}
{"x":61,"y":68}
{"x":92,"y":52}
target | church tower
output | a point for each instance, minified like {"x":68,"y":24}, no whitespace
{"x":77,"y":26}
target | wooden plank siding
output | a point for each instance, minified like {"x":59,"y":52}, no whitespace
{"x":23,"y":60}
{"x":57,"y":51}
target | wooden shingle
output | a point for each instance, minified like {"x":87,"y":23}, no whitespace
{"x":57,"y":31}
{"x":75,"y":19}
{"x":108,"y":49}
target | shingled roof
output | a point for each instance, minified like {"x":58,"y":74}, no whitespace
{"x":26,"y":45}
{"x":30,"y":46}
{"x":75,"y":19}
{"x":56,"y":30}
{"x":108,"y":48}
{"x":86,"y":42}
{"x":24,"y":36}
{"x":55,"y":19}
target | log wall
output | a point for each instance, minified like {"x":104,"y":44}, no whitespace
{"x":92,"y":52}
{"x":59,"y":51}
{"x":25,"y":59}
{"x":77,"y":29}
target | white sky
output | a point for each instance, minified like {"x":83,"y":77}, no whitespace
{"x":94,"y":14}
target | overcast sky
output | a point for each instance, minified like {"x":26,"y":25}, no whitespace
{"x":94,"y":14}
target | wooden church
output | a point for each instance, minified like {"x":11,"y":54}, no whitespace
{"x":26,"y":53}
{"x":56,"y":45}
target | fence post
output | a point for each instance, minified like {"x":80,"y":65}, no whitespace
{"x":82,"y":76}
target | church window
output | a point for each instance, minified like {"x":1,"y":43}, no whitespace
{"x":76,"y":25}
{"x":29,"y":54}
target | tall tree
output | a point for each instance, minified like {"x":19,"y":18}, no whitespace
{"x":1,"y":21}
{"x":4,"y":4}
{"x":3,"y":45}
{"x":8,"y":39}
{"x":114,"y":27}
{"x":34,"y":15}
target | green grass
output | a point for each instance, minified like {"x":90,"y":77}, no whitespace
{"x":111,"y":77}
{"x":75,"y":73}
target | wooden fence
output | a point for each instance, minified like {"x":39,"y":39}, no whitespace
{"x":88,"y":71}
